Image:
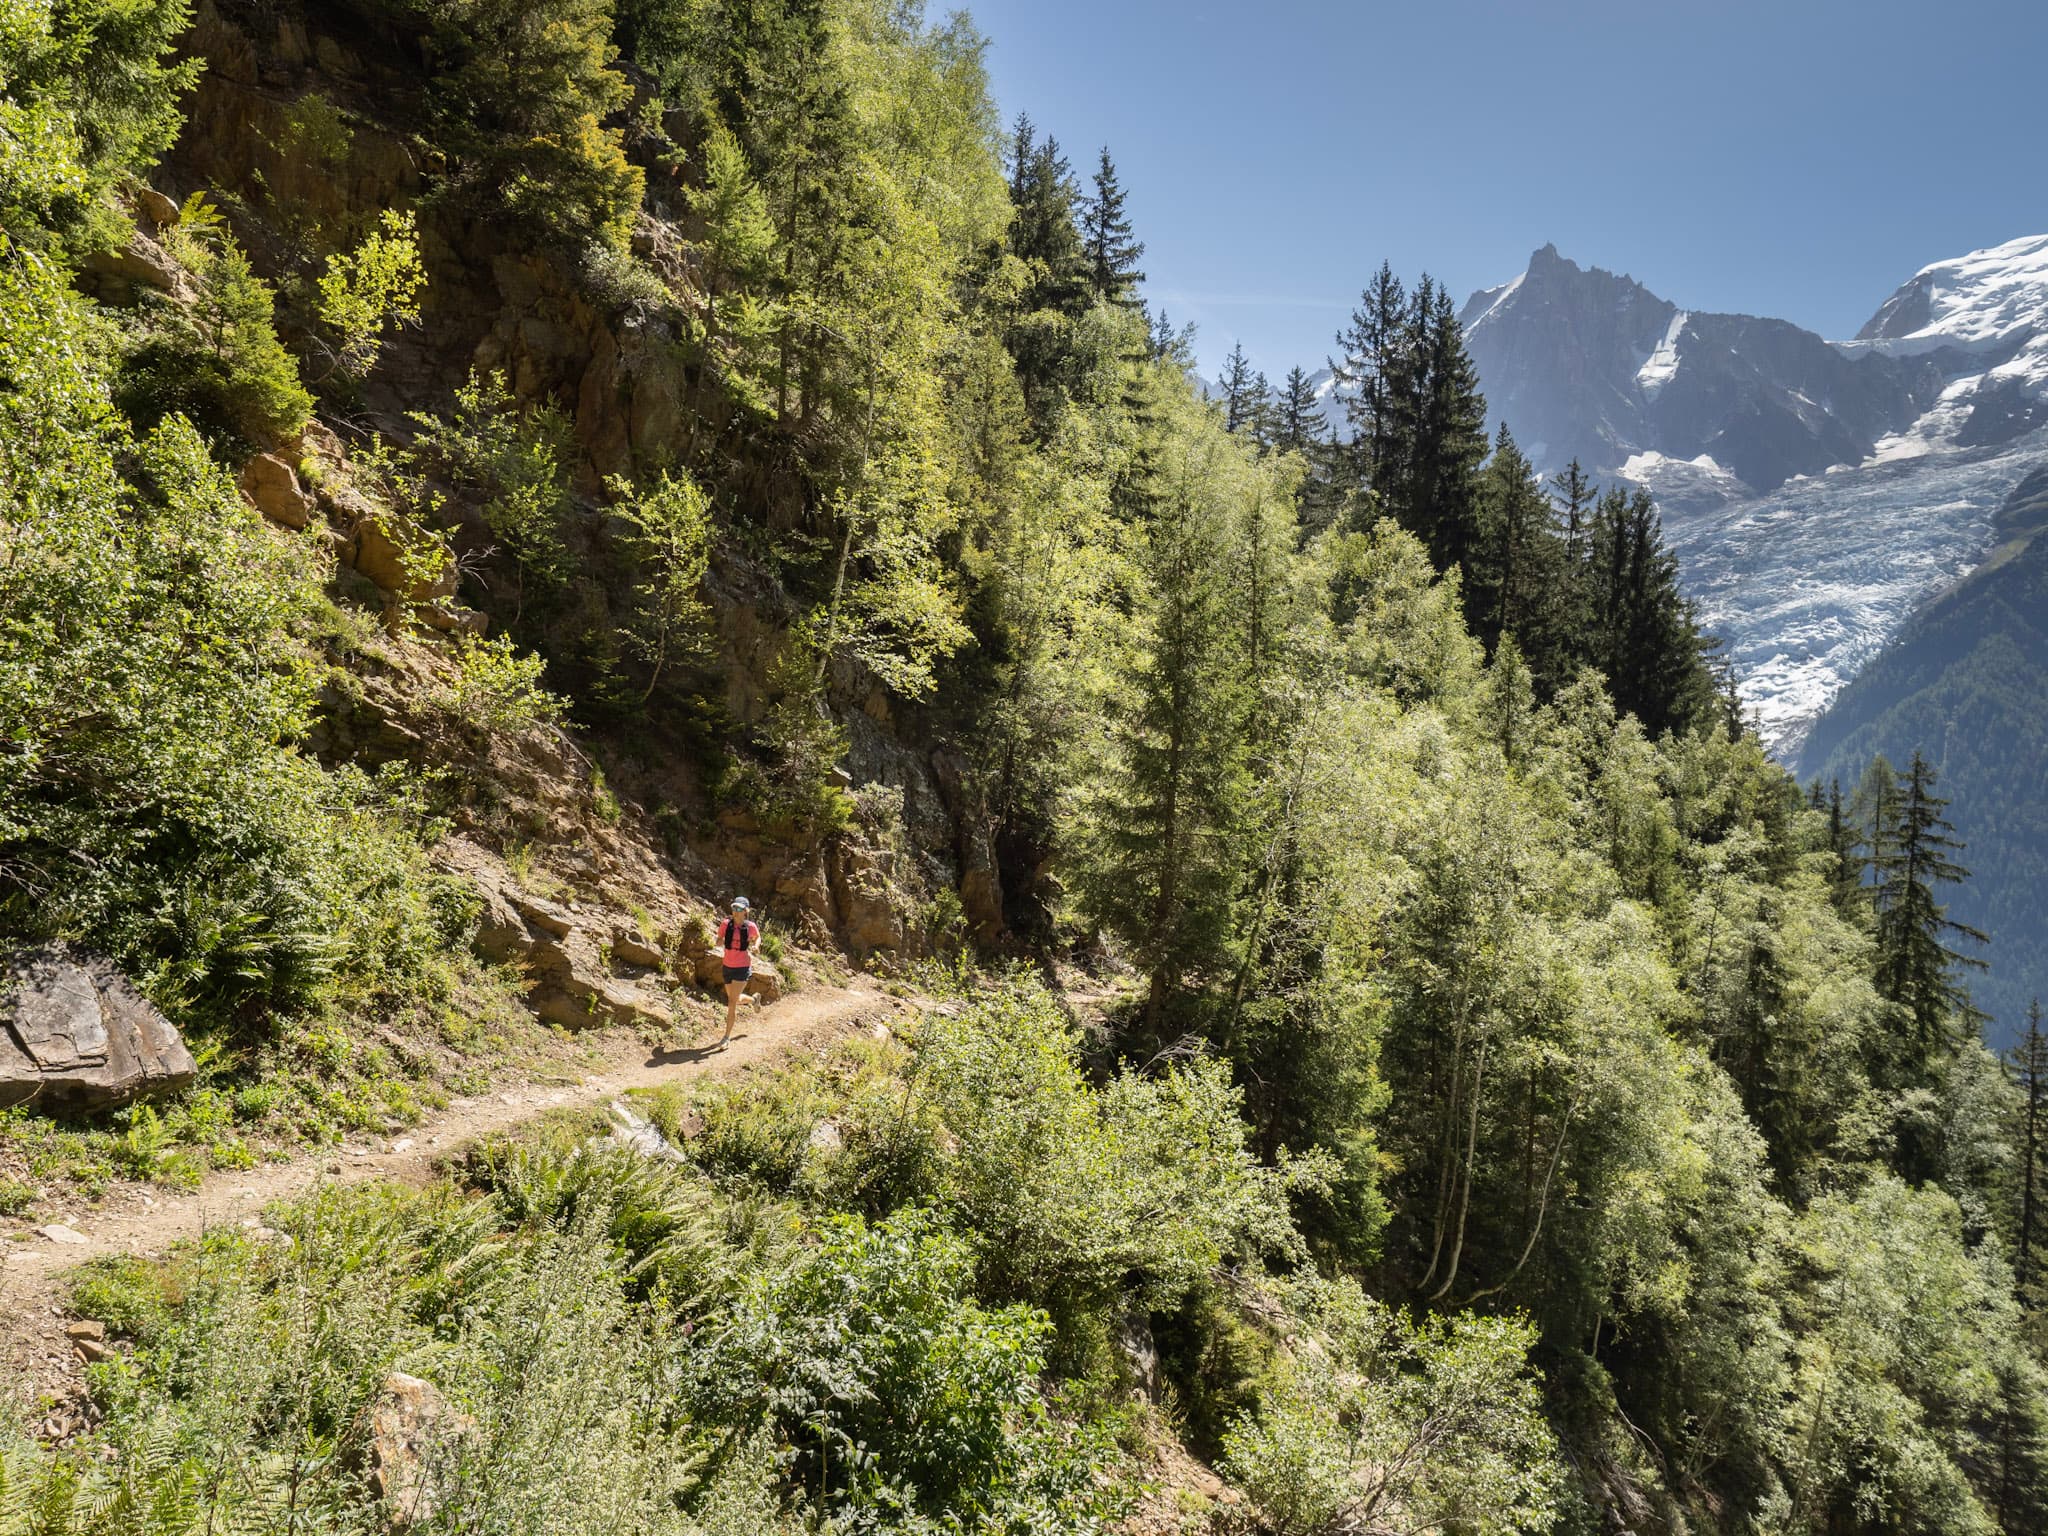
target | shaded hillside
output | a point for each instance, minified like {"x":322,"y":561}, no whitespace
{"x":1966,"y":683}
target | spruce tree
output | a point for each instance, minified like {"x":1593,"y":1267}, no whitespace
{"x":1172,"y":344}
{"x":1846,"y":872}
{"x":1368,"y":366}
{"x":1574,"y":493}
{"x":1517,"y":567}
{"x":1640,"y":626}
{"x":1243,"y":391}
{"x":1438,"y":435}
{"x":1106,"y":239}
{"x":1043,"y":233}
{"x":1297,"y":423}
{"x":1161,"y":858}
{"x":1916,"y":966}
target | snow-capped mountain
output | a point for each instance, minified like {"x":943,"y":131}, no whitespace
{"x":1705,"y":408}
{"x":1986,"y":316}
{"x":1815,"y":491}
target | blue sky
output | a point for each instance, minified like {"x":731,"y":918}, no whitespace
{"x":1798,"y":158}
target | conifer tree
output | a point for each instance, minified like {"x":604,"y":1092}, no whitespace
{"x":1043,"y":232}
{"x":1573,"y":491}
{"x":1172,"y":344}
{"x":1518,"y":564}
{"x":1160,"y":864}
{"x":1297,"y":423}
{"x":1846,"y":875}
{"x":1106,"y":238}
{"x":1242,"y":391}
{"x":1916,"y":966}
{"x":2030,"y":1071}
{"x":1439,"y":429}
{"x":1368,"y":366}
{"x":1639,"y":624}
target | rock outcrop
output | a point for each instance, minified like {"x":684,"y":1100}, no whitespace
{"x":78,"y":1038}
{"x":414,"y":1437}
{"x":573,"y":957}
{"x":273,"y":488}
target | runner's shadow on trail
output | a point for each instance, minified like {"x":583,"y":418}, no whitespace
{"x":687,"y":1054}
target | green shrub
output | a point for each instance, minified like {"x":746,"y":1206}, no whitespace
{"x":152,"y":688}
{"x":496,"y":689}
{"x":507,"y":462}
{"x":369,"y":290}
{"x":1077,"y":1195}
{"x":216,"y":361}
{"x":1441,"y":1422}
{"x":88,"y":95}
{"x":901,"y":1396}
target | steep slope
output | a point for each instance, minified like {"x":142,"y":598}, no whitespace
{"x":1966,"y":683}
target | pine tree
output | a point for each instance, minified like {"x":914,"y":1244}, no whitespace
{"x":1368,"y":367}
{"x":1106,"y":238}
{"x":1916,"y":967}
{"x":2030,"y":1071}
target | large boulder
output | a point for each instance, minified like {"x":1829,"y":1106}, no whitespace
{"x":78,"y":1038}
{"x":115,"y":276}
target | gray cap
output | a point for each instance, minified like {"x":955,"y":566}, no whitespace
{"x":740,"y":904}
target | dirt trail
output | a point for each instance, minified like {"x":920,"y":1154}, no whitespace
{"x":36,"y":1354}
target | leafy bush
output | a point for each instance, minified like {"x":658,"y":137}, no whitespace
{"x":151,"y":688}
{"x":370,"y":290}
{"x":627,"y":1349}
{"x":87,"y":96}
{"x":902,"y":1396}
{"x":508,"y":463}
{"x":495,"y":688}
{"x":1076,"y":1195}
{"x":1440,"y":1425}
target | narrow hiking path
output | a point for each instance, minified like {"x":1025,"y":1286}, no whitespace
{"x":38,"y":1357}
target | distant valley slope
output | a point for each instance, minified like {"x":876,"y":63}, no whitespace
{"x":1966,"y":682}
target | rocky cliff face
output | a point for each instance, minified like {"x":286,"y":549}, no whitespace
{"x":1581,"y":363}
{"x":299,"y":127}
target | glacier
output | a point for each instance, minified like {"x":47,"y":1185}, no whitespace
{"x":1807,"y":584}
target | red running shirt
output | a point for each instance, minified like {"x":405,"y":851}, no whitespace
{"x":746,"y":933}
